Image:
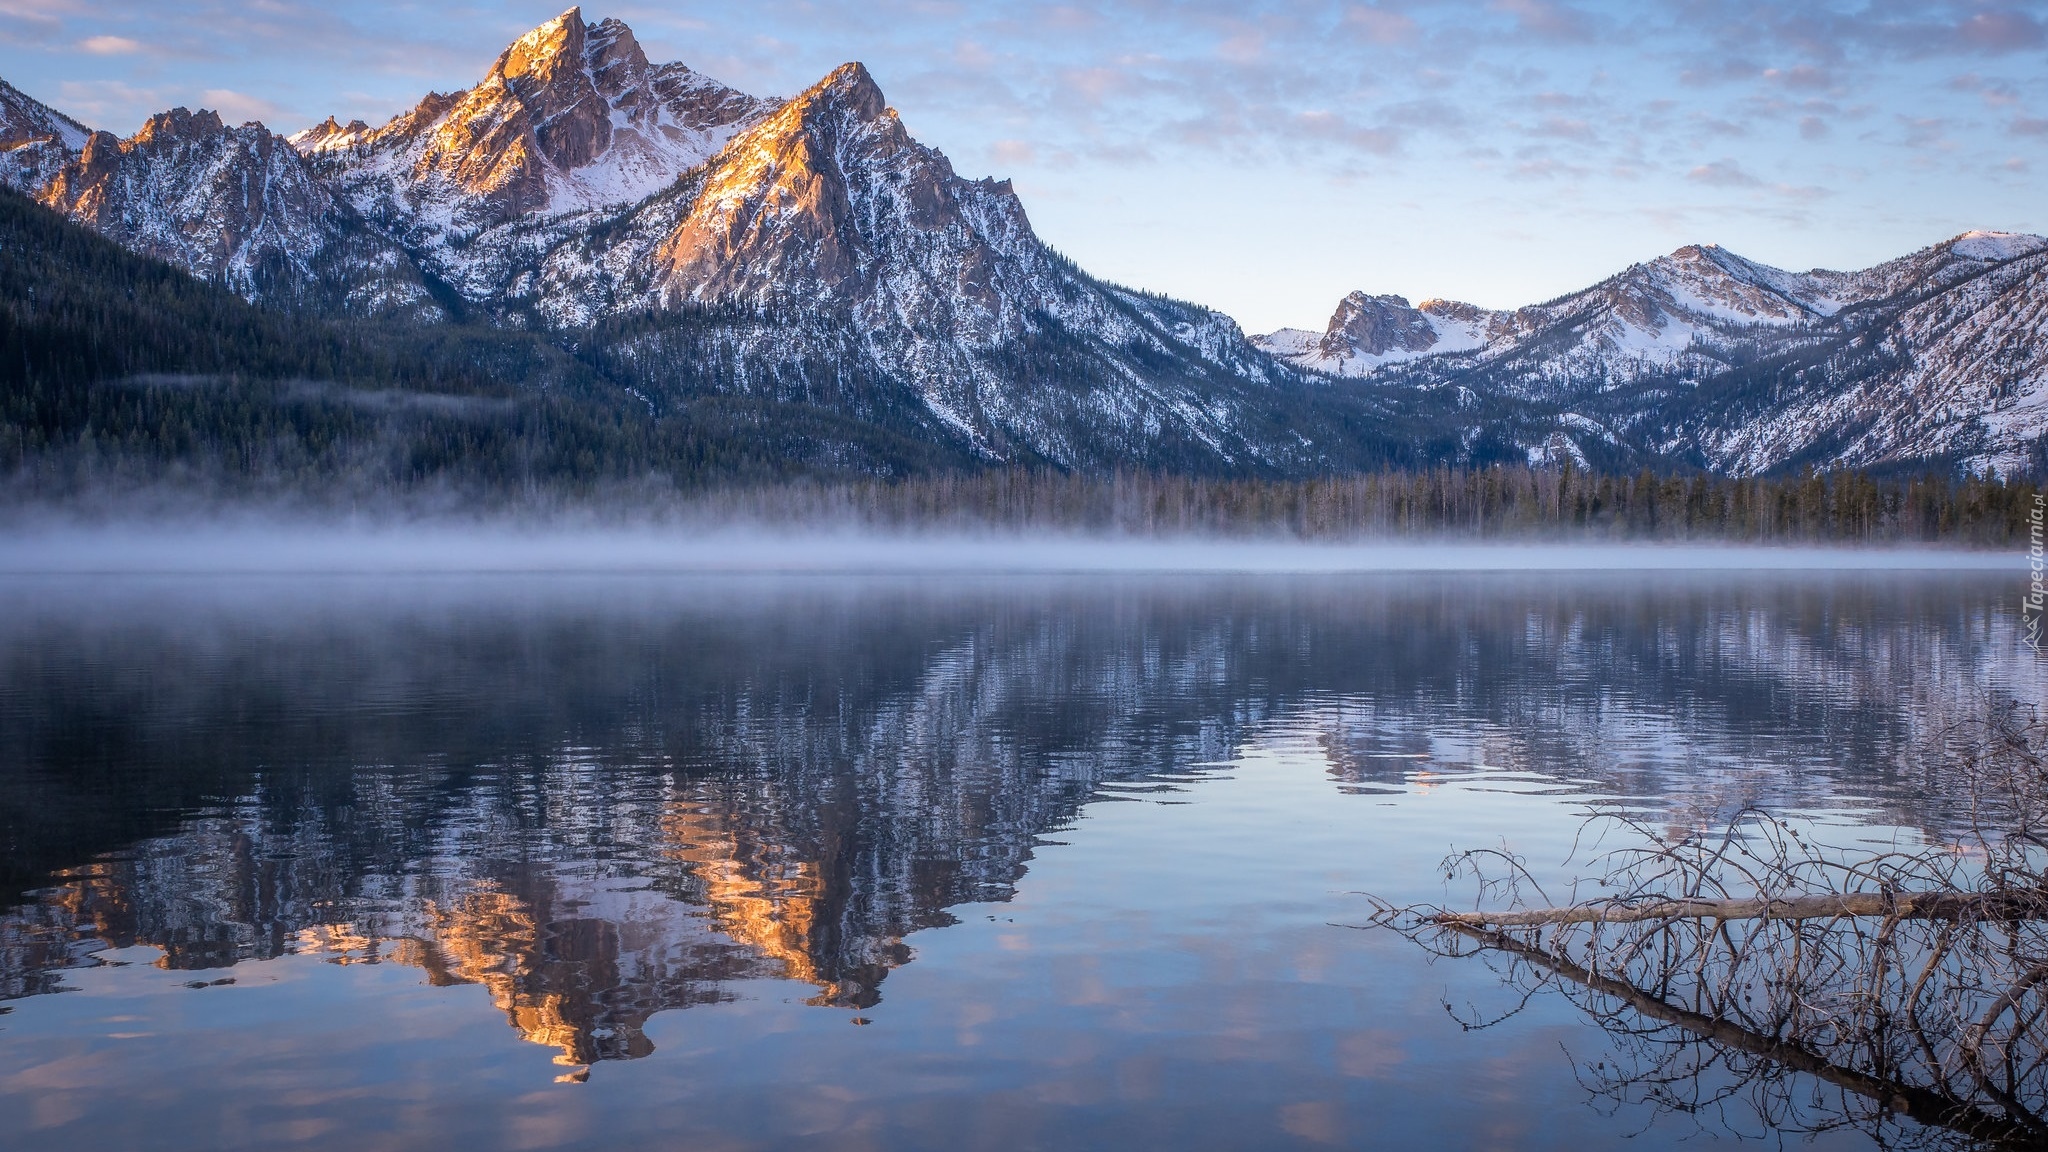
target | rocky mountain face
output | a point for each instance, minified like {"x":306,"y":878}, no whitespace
{"x":826,"y":234}
{"x":1367,"y":332}
{"x":239,"y":206}
{"x":36,"y":141}
{"x":570,"y":121}
{"x":694,"y":243}
{"x":1720,"y":362}
{"x":1944,"y":358}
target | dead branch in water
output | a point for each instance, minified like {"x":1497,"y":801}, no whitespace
{"x":1913,"y":1101}
{"x":1949,"y":905}
{"x":1742,"y":964}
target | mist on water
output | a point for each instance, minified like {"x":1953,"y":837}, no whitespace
{"x":251,"y":543}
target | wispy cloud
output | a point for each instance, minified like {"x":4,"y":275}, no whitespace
{"x":110,"y":45}
{"x":1723,"y":174}
{"x":235,"y":107}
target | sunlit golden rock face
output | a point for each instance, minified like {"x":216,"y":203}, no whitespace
{"x":537,"y":106}
{"x":777,"y":208}
{"x":570,"y":117}
{"x":556,"y":87}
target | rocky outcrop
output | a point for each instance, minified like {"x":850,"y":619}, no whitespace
{"x":1367,"y":332}
{"x":571,"y":120}
{"x":826,"y":234}
{"x":234,"y":205}
{"x":36,"y":141}
{"x":1376,"y":325}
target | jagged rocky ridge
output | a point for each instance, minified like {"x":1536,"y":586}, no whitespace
{"x":696,"y":241}
{"x":1712,"y":360}
{"x":692,"y":241}
{"x":238,"y":206}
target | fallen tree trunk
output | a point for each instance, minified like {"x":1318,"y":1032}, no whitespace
{"x":2024,"y":905}
{"x":1925,"y":1105}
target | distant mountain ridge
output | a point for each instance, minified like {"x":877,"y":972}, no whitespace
{"x":692,"y":241}
{"x":1941,"y":355}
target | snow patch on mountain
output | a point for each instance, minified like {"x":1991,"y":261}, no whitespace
{"x":236,"y":205}
{"x":36,"y":141}
{"x":1368,"y":332}
{"x":570,"y":122}
{"x":829,"y":216}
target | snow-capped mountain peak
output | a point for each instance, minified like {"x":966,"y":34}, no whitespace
{"x":826,"y":235}
{"x":36,"y":141}
{"x":776,"y":205}
{"x":1939,"y":355}
{"x":1651,"y":317}
{"x":703,"y":246}
{"x":571,"y":118}
{"x":237,"y":205}
{"x":330,"y":135}
{"x":24,"y":119}
{"x":1367,"y":332}
{"x":1976,"y":245}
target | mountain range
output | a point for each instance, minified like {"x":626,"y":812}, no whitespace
{"x":688,"y":244}
{"x":1743,"y":368}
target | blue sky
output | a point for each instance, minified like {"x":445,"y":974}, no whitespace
{"x":1263,"y":158}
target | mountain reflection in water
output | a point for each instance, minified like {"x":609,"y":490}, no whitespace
{"x":603,"y":799}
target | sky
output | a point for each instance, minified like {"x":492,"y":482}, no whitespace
{"x":1259,"y":157}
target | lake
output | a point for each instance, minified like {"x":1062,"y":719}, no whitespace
{"x":891,"y":861}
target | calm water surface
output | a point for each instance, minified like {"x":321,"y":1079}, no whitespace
{"x":767,"y":862}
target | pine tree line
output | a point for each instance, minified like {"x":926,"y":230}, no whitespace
{"x":1485,"y":503}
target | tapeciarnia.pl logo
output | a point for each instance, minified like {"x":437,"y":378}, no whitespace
{"x":2036,"y":603}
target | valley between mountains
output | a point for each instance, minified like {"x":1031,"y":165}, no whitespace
{"x":801,"y":280}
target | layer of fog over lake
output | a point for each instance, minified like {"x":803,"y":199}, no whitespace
{"x":255,"y":545}
{"x":756,"y":840}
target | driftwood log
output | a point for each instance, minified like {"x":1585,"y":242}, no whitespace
{"x":1995,"y":906}
{"x":1926,"y":1105}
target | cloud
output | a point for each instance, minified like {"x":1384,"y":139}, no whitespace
{"x":1926,"y":132}
{"x":1804,"y":76}
{"x":2001,"y":31}
{"x":2029,"y":126}
{"x":1548,"y":20}
{"x":1995,"y":93}
{"x":236,"y":107}
{"x":1013,"y":152}
{"x":1802,"y":192}
{"x":34,"y":21}
{"x":1812,"y":128}
{"x":1724,"y":173}
{"x":105,"y":102}
{"x":1331,"y":127}
{"x":1563,"y":128}
{"x":1430,"y":115}
{"x":110,"y":45}
{"x":1379,"y":25}
{"x":1703,"y":73}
